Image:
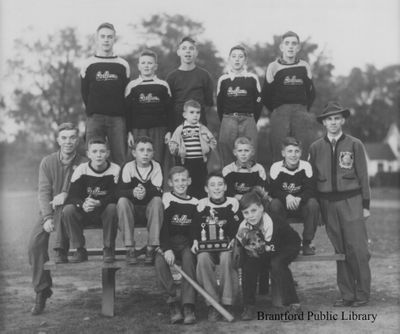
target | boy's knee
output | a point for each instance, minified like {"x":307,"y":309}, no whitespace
{"x":123,"y":203}
{"x":276,"y":206}
{"x":203,"y":259}
{"x":312,"y":204}
{"x":69,"y":210}
{"x":156,"y":202}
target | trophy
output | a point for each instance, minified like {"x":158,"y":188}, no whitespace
{"x":212,"y":237}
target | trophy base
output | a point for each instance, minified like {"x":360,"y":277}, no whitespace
{"x":213,"y":245}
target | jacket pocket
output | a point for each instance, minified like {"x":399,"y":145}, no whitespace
{"x":349,"y":176}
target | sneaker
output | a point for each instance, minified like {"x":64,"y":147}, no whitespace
{"x":108,"y":255}
{"x":61,"y":256}
{"x":248,"y":313}
{"x":213,"y":314}
{"x":359,"y":303}
{"x":131,"y":257}
{"x":294,"y":309}
{"x":308,"y":249}
{"x":175,"y":313}
{"x":188,"y":312}
{"x":150,"y":254}
{"x":40,"y":301}
{"x":229,"y":308}
{"x":343,"y":303}
{"x":80,"y":255}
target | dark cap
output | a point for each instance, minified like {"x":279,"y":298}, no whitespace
{"x":291,"y":141}
{"x":106,"y":25}
{"x":333,"y":108}
{"x":67,"y":126}
{"x":187,"y":39}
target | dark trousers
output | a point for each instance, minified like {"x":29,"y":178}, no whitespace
{"x":308,"y":211}
{"x":74,"y":220}
{"x":198,"y":172}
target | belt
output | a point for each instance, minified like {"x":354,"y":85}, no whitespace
{"x":240,"y":114}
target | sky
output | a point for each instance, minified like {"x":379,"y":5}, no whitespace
{"x":350,"y":32}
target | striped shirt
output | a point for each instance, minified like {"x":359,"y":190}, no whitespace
{"x":191,"y":139}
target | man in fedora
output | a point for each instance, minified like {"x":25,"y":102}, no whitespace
{"x":340,"y":165}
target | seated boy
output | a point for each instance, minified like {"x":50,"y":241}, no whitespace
{"x":192,"y":142}
{"x":140,"y":184}
{"x":224,"y":211}
{"x":175,"y":242}
{"x":91,"y":198}
{"x":293,"y":191}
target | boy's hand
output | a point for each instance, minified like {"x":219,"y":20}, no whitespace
{"x":90,"y":204}
{"x":59,"y":199}
{"x":292,"y":203}
{"x":169,"y":257}
{"x":230,"y":245}
{"x":131,"y":140}
{"x":238,"y":196}
{"x":195,"y":247}
{"x":139,"y":192}
{"x":167,"y":137}
{"x":173,"y":147}
{"x":48,"y":225}
{"x":366,"y":213}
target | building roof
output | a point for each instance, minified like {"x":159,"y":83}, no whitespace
{"x":379,"y":151}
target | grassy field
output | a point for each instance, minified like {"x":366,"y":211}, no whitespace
{"x":140,"y":306}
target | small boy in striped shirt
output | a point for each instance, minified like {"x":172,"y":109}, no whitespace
{"x":192,"y":142}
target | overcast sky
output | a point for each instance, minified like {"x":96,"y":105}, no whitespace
{"x":351,"y":32}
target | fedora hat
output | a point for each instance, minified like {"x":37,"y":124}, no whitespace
{"x":333,"y":108}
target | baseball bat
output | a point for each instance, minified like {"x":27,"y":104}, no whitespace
{"x":203,"y":292}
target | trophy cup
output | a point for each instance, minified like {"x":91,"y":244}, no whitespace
{"x":213,"y":238}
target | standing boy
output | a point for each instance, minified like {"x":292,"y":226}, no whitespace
{"x":189,"y":82}
{"x":340,"y":165}
{"x":104,"y":77}
{"x":140,"y":184}
{"x":238,"y":103}
{"x":91,"y":199}
{"x":55,"y":173}
{"x":148,"y":102}
{"x":175,"y":243}
{"x":221,"y":211}
{"x":292,"y":189}
{"x":288,"y":92}
{"x":192,"y":143}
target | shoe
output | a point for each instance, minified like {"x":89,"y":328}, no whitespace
{"x":248,"y":313}
{"x":131,"y":257}
{"x":150,"y":254}
{"x":229,"y":308}
{"x":213,"y":314}
{"x":359,"y":303}
{"x":175,"y":313}
{"x":188,"y":312}
{"x":61,"y":256}
{"x":40,"y":301}
{"x":308,"y":250}
{"x":80,"y":255}
{"x":343,"y":303}
{"x":294,"y":309}
{"x":108,"y":255}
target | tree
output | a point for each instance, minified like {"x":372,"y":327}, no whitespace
{"x":47,"y":78}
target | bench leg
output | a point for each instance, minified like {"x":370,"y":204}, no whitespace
{"x":108,"y":285}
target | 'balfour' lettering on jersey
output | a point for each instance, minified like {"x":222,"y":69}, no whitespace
{"x":291,"y":188}
{"x":149,"y":98}
{"x":106,"y":76}
{"x":180,"y":220}
{"x":235,"y":92}
{"x":293,"y":81}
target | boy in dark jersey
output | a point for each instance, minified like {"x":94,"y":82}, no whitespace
{"x":238,"y":103}
{"x":292,"y":188}
{"x":288,"y":93}
{"x":149,"y":106}
{"x":91,"y":198}
{"x":189,"y":82}
{"x":104,"y":77}
{"x":175,"y":242}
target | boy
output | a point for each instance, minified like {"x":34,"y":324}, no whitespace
{"x":225,"y":210}
{"x":238,"y":104}
{"x":243,"y":174}
{"x":339,"y":162}
{"x":104,"y":77}
{"x":288,"y":93}
{"x":189,"y":82}
{"x":292,"y":189}
{"x":148,"y":102}
{"x":175,"y":242}
{"x":140,"y":184}
{"x":191,"y":143}
{"x":91,"y":198}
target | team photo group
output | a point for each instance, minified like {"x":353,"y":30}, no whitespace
{"x":149,"y":151}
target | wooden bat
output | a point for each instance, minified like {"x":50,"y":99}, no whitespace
{"x":203,"y":292}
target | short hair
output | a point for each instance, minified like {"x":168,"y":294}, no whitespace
{"x":98,"y":140}
{"x":239,"y":47}
{"x":191,"y":103}
{"x":149,"y":53}
{"x":67,"y":126}
{"x":243,"y":141}
{"x":187,"y":39}
{"x":144,"y":140}
{"x":105,"y":25}
{"x":177,"y":170}
{"x":290,"y":34}
{"x":256,"y":196}
{"x":291,"y":141}
{"x":214,"y":174}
